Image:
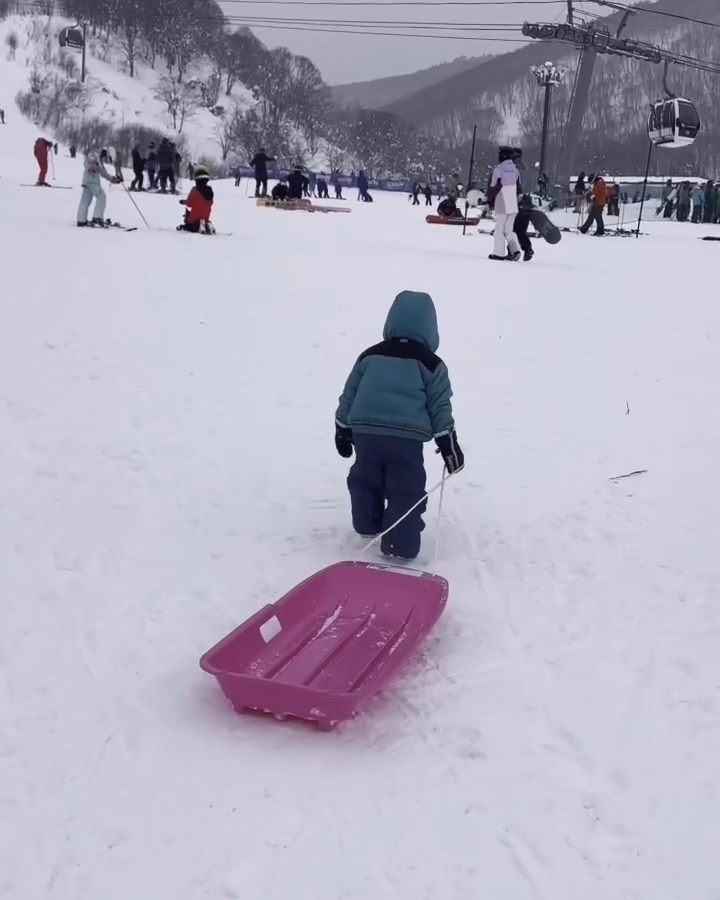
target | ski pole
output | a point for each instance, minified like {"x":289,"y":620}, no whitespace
{"x":136,"y":206}
{"x":52,"y":164}
{"x":440,"y":484}
{"x":439,"y":514}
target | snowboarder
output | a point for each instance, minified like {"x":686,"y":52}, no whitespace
{"x":448,"y":209}
{"x":166,"y":166}
{"x":296,"y":184}
{"x":281,"y":191}
{"x":598,"y":201}
{"x":259,"y":163}
{"x":503,"y":198}
{"x":93,"y":173}
{"x":199,"y":204}
{"x":41,"y":150}
{"x":452,"y":185}
{"x":138,"y":166}
{"x":151,"y":166}
{"x":396,"y":398}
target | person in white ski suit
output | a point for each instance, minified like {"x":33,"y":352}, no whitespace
{"x":505,"y":181}
{"x":93,"y":173}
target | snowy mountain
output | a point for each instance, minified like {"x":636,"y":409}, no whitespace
{"x":380,"y":92}
{"x":502,"y":97}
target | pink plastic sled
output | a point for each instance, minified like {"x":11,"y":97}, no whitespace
{"x":329,"y":645}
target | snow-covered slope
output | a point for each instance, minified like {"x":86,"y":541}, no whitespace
{"x":167,"y":460}
{"x":115,"y":97}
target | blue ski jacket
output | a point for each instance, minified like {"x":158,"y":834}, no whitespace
{"x":400,"y":387}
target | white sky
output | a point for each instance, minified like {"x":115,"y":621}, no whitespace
{"x":353,"y":57}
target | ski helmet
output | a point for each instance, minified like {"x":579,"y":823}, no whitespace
{"x":201,"y":173}
{"x":505,"y":153}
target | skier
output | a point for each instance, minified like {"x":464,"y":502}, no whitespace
{"x":93,"y":172}
{"x":396,"y":398}
{"x":312,"y":184}
{"x":296,"y":184}
{"x":415,"y":193}
{"x":41,"y":149}
{"x":151,"y":166}
{"x":166,"y":166}
{"x":363,"y":184}
{"x":598,"y":201}
{"x":322,"y":188}
{"x":428,"y":194}
{"x":335,"y":182}
{"x":503,"y":199}
{"x":73,"y":151}
{"x":579,"y":193}
{"x":2,"y":116}
{"x":281,"y":191}
{"x":259,"y":163}
{"x":199,"y":204}
{"x":177,"y":159}
{"x":236,"y":174}
{"x":697,"y":195}
{"x":138,"y":166}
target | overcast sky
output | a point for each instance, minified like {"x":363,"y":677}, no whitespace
{"x":353,"y":57}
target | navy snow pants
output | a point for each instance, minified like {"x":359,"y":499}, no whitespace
{"x":387,"y":477}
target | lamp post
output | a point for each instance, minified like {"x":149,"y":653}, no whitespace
{"x":548,"y":76}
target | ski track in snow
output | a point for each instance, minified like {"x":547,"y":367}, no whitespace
{"x":168,"y":467}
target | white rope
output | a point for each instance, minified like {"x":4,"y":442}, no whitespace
{"x":439,"y":514}
{"x":379,"y":537}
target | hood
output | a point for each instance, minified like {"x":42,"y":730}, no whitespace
{"x":413,"y":316}
{"x":507,"y":167}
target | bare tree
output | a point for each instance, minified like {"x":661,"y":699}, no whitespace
{"x":181,"y":100}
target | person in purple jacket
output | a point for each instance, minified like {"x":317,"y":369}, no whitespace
{"x":503,"y":199}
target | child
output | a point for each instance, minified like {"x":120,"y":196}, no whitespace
{"x":199,"y":204}
{"x":396,"y":398}
{"x":91,"y":183}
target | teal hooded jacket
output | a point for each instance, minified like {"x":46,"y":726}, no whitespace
{"x":400,"y":387}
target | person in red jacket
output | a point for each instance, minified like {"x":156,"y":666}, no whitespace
{"x":42,"y":146}
{"x":199,"y":204}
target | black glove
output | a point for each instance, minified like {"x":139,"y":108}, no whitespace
{"x":343,"y":441}
{"x":449,"y":448}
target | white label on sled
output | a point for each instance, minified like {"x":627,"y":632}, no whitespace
{"x":270,"y":629}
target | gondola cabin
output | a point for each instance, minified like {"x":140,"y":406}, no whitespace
{"x":72,"y":38}
{"x":673,"y":123}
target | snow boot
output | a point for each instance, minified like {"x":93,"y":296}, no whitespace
{"x":528,"y":255}
{"x":514,"y":256}
{"x":498,"y":258}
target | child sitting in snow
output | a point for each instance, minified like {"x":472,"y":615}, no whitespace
{"x":396,"y":398}
{"x":199,"y":205}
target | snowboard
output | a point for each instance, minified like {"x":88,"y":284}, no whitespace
{"x":545,"y":227}
{"x":455,"y":220}
{"x":301,"y":205}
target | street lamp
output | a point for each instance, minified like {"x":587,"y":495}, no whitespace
{"x":548,"y":76}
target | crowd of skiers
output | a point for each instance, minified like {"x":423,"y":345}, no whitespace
{"x":162,"y":165}
{"x":698,"y":203}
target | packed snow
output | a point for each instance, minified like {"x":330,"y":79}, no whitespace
{"x":168,"y":467}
